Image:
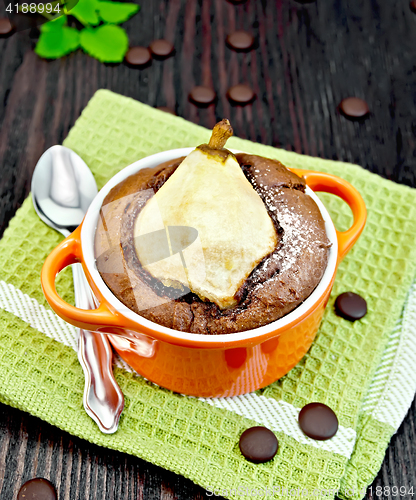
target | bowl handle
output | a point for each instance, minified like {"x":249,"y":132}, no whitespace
{"x":66,"y":253}
{"x":328,"y":183}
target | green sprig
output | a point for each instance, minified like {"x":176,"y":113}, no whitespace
{"x":100,"y":38}
{"x":107,"y":43}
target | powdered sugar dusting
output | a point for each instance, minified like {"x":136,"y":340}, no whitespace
{"x":296,"y":234}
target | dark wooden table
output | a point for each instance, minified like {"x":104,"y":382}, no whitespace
{"x":308,"y":57}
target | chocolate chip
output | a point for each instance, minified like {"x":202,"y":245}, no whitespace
{"x":241,"y":94}
{"x":240,"y":40}
{"x":37,"y":488}
{"x":138,"y":56}
{"x":412,"y":6}
{"x":351,"y":306}
{"x":161,"y":48}
{"x":166,"y":110}
{"x":258,"y":444}
{"x":318,"y":421}
{"x":354,"y":107}
{"x":5,"y":26}
{"x":202,"y":95}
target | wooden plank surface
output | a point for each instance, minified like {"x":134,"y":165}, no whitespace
{"x":307,"y":58}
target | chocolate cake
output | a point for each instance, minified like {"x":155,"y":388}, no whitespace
{"x":281,"y":281}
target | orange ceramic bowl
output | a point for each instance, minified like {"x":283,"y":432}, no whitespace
{"x":196,"y":364}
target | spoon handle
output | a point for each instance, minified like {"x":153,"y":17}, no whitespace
{"x":103,"y":399}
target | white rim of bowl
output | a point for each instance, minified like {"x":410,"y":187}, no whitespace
{"x":87,"y":242}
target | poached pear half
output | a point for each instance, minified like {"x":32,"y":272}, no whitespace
{"x":209,"y":192}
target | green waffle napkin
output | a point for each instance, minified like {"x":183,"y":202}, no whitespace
{"x":355,"y":368}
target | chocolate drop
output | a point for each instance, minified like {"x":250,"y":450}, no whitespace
{"x":258,"y":444}
{"x":202,"y":95}
{"x":240,"y":40}
{"x":37,"y":489}
{"x":161,"y":48}
{"x":354,"y":108}
{"x":241,"y":94}
{"x":138,"y":56}
{"x":351,"y":306}
{"x":318,"y":421}
{"x":5,"y":26}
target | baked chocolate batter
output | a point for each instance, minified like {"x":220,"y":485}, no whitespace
{"x":282,"y":281}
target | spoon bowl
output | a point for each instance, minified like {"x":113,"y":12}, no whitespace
{"x":63,"y":188}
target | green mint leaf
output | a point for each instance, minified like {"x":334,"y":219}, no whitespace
{"x":108,"y":43}
{"x":86,"y":12}
{"x":54,"y":24}
{"x":57,"y":42}
{"x":116,"y":12}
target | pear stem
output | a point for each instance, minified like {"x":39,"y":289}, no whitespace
{"x":220,"y":134}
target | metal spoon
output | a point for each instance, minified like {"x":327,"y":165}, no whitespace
{"x":62,"y":190}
